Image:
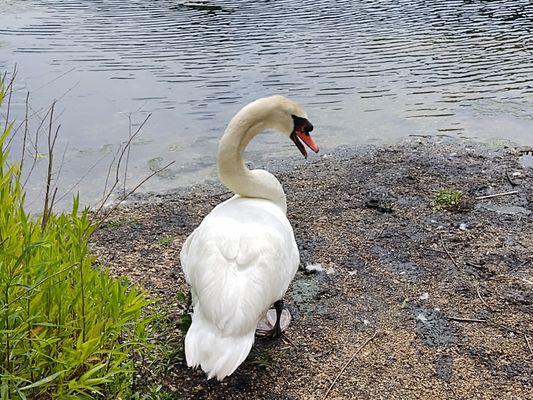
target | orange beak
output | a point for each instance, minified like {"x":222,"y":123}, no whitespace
{"x":308,"y":140}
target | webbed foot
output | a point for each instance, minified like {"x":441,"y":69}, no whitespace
{"x":275,"y":322}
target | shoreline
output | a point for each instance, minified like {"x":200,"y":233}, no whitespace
{"x":337,"y":154}
{"x":448,"y":292}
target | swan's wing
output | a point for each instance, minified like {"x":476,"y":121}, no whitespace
{"x":238,"y":269}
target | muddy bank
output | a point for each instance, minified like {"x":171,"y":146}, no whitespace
{"x":447,"y":289}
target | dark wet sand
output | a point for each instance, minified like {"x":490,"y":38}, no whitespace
{"x":452,"y":308}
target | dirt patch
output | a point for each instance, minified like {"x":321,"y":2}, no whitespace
{"x":449,"y":293}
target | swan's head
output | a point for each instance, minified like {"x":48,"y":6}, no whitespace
{"x":290,"y":118}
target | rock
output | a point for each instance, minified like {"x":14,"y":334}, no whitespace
{"x":507,"y":210}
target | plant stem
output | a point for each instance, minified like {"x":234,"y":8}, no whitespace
{"x":82,"y":285}
{"x":8,"y":342}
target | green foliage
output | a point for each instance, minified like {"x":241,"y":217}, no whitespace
{"x":120,"y":222}
{"x":448,"y":198}
{"x":166,"y":240}
{"x":170,"y":324}
{"x":156,"y":392}
{"x":67,"y":330}
{"x":185,"y":319}
{"x":263,"y":360}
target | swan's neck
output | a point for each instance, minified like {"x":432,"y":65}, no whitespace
{"x":231,"y":167}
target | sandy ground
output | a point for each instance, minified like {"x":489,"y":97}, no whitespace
{"x":445,"y":297}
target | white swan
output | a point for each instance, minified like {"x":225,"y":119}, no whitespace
{"x":242,"y":257}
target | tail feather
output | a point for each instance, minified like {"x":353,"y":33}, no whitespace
{"x":217,"y":355}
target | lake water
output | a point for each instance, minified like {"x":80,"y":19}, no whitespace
{"x":366,"y":72}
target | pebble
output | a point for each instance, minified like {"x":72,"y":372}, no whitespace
{"x":421,"y":317}
{"x":330,"y":271}
{"x":314,"y":268}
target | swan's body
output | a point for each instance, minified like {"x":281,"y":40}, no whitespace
{"x":243,"y":261}
{"x":242,"y":257}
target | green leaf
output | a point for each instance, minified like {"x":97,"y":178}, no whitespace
{"x":91,"y":372}
{"x":44,"y":381}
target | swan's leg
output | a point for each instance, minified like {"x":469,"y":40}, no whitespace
{"x":275,"y":322}
{"x":278,"y":305}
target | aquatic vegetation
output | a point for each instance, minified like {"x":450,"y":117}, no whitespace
{"x":157,"y":167}
{"x":67,"y":329}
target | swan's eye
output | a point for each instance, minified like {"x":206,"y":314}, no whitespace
{"x":302,"y":125}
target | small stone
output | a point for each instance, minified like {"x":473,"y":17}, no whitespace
{"x":330,"y":271}
{"x":421,"y":317}
{"x":462,"y":226}
{"x":314,"y":268}
{"x":424,"y":296}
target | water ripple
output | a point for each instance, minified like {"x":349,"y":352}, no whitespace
{"x":392,"y":67}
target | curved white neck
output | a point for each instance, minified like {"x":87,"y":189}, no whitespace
{"x":232,"y":170}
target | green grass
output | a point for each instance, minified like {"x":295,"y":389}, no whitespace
{"x":166,"y":240}
{"x":67,"y":329}
{"x":263,"y":360}
{"x":120,"y":222}
{"x":156,"y":392}
{"x":448,"y":198}
{"x":171,"y":323}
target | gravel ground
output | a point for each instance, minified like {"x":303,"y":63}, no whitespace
{"x":415,"y":301}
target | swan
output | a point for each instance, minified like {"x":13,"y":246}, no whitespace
{"x":243,"y":255}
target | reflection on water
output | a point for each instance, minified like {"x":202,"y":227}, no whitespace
{"x":365,"y":70}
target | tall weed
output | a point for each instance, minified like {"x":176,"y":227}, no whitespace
{"x":67,"y":329}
